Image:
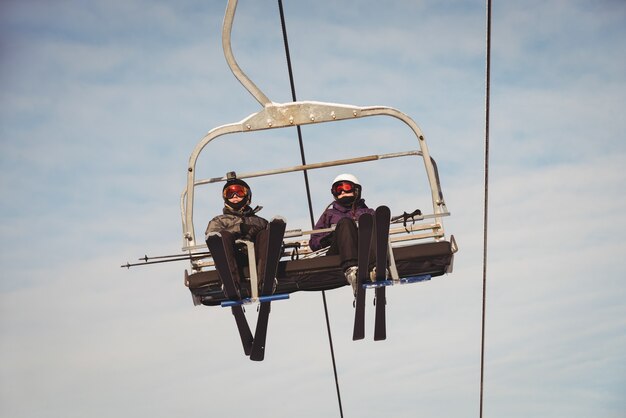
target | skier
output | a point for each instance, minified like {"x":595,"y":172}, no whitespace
{"x":343,"y":212}
{"x":239,"y":221}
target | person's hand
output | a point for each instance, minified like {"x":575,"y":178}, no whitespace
{"x":327,"y":240}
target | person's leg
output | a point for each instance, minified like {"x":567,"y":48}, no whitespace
{"x":232,"y":255}
{"x":345,"y":243}
{"x":260,"y":250}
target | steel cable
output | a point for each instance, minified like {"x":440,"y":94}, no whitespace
{"x":308,"y":193}
{"x":486,"y":201}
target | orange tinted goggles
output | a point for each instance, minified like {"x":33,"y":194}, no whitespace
{"x":235,"y":190}
{"x":344,"y":186}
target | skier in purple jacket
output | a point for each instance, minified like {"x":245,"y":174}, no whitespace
{"x":343,"y":213}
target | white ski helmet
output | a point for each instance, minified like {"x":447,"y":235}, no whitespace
{"x":347,"y":178}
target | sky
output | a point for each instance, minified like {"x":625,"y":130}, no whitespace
{"x":102,"y":102}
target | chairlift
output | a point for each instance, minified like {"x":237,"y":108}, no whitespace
{"x":428,"y":255}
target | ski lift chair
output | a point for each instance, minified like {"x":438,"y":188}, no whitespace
{"x":428,"y":253}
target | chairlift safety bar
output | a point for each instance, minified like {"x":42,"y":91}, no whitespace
{"x":311,"y":166}
{"x":292,"y":233}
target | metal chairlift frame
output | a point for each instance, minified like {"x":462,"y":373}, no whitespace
{"x":291,"y":114}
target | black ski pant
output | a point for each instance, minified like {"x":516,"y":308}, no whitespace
{"x":237,"y":254}
{"x":345,"y":243}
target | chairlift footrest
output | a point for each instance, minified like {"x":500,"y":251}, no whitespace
{"x":248,"y":301}
{"x":404,"y":280}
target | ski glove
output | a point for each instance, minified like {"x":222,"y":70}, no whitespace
{"x":327,"y":240}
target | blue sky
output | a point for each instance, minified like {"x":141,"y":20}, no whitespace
{"x":101,"y":104}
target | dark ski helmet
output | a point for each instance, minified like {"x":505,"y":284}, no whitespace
{"x":236,"y":187}
{"x":346,"y":183}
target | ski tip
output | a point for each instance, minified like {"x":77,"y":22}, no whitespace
{"x":279,"y":218}
{"x":365,"y":215}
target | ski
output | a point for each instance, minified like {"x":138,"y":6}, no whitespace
{"x":383,"y":215}
{"x":221,"y":254}
{"x":266,"y":277}
{"x":366,"y":224}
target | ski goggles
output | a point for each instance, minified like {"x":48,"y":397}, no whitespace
{"x":343,"y":187}
{"x":235,"y":190}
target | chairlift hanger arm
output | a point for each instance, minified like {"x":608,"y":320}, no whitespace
{"x":227,"y":27}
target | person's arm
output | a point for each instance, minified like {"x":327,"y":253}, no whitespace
{"x":212,"y":227}
{"x":316,"y":239}
{"x":224,"y":223}
{"x":251,"y":226}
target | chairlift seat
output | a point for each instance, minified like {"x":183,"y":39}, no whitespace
{"x":324,"y":273}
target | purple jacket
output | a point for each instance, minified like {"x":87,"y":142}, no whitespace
{"x":332,"y":215}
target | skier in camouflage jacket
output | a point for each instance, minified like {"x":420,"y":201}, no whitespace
{"x":239,"y":221}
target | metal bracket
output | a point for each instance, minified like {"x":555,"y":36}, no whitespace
{"x":254,"y":279}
